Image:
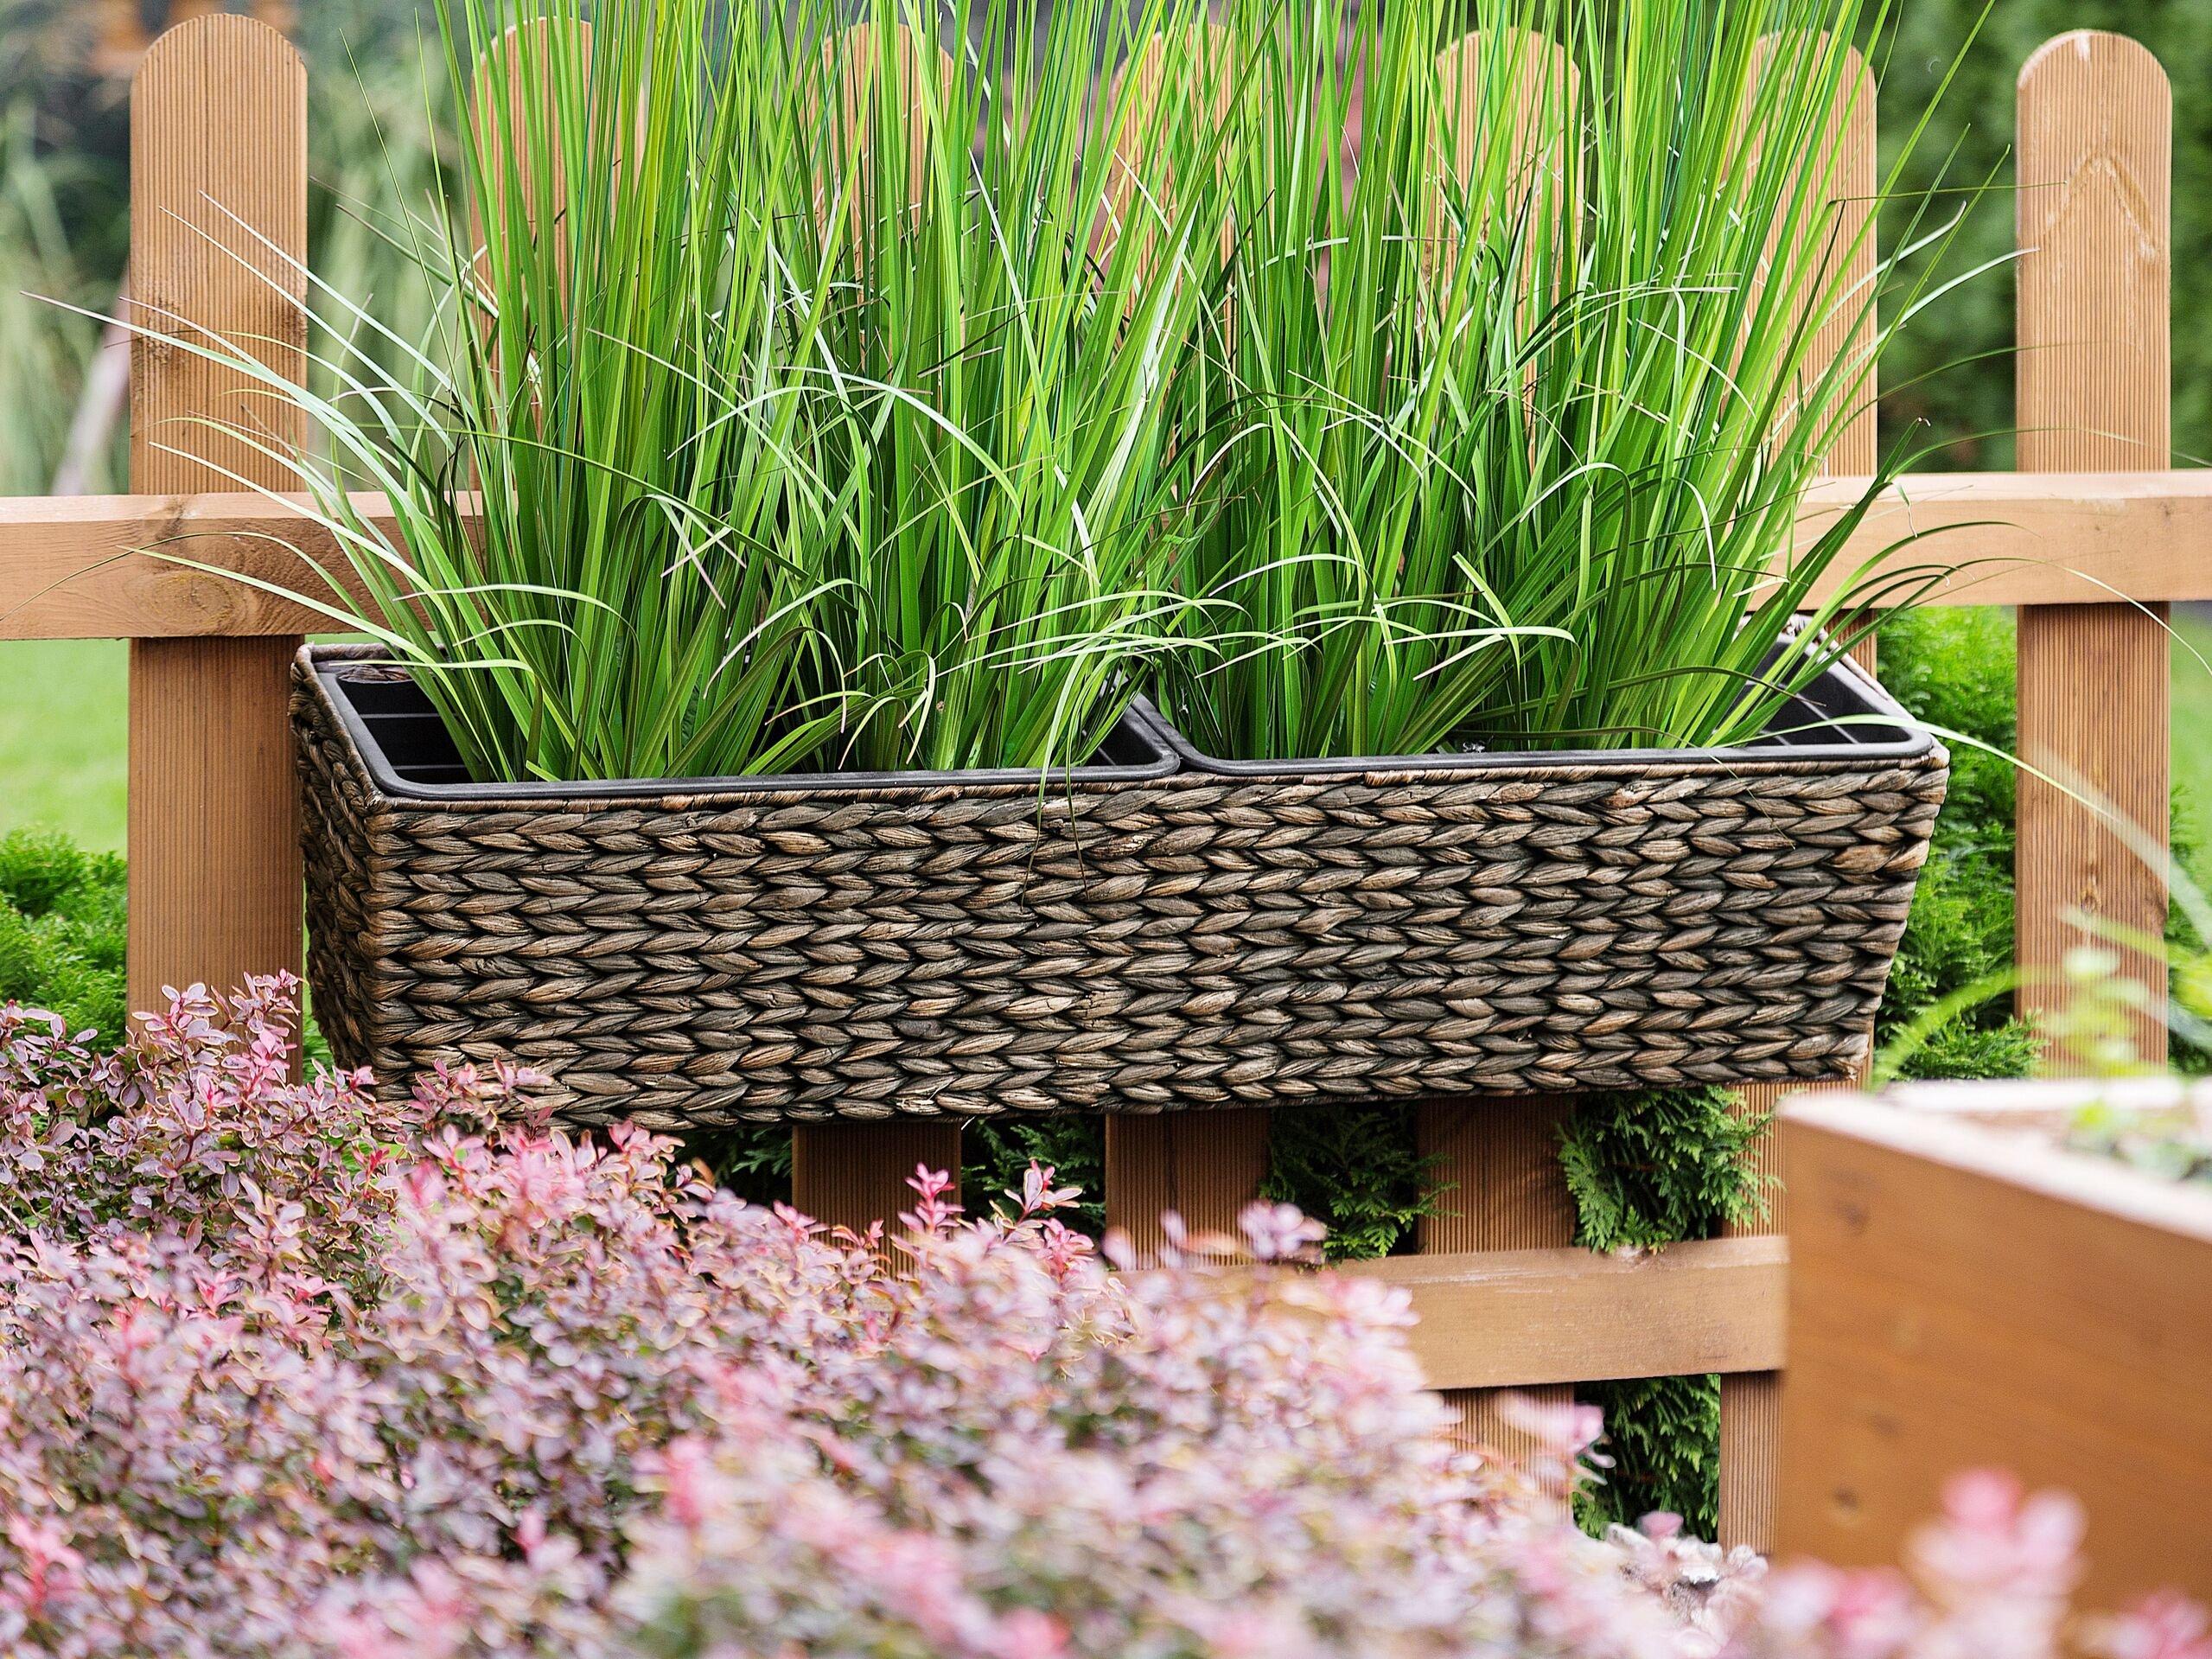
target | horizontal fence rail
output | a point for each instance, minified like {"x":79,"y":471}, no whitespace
{"x":200,"y":582}
{"x":129,"y":566}
{"x":1511,"y":1318}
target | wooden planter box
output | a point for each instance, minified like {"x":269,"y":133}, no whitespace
{"x":1161,"y":933}
{"x":1965,"y":1294}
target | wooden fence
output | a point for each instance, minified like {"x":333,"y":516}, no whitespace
{"x":2090,"y":538}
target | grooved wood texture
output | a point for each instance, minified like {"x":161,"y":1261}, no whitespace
{"x":1205,"y":1166}
{"x":2095,"y":142}
{"x":518,"y":89}
{"x":1498,"y":1157}
{"x":2026,"y":538}
{"x":1750,"y":1405}
{"x":857,"y":57}
{"x":1751,"y":1457}
{"x":1511,"y":1318}
{"x":124,"y":24}
{"x":217,"y":160}
{"x":1145,"y":129}
{"x":1857,"y":446}
{"x":1545,"y":87}
{"x":1502,"y":1152}
{"x":855,"y":1174}
{"x":1849,"y":330}
{"x":69,"y":571}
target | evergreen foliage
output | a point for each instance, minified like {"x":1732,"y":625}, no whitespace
{"x":1954,"y":667}
{"x":61,"y":931}
{"x":1358,"y":1170}
{"x":1663,"y":1437}
{"x":753,"y":1161}
{"x":1646,"y":1170}
{"x":996,"y":1153}
{"x":1653,"y":1169}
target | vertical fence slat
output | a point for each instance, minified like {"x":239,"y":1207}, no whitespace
{"x":2095,"y":147}
{"x":1848,"y":250}
{"x":516,"y":93}
{"x":218,"y":128}
{"x":1858,"y":450}
{"x":1497,"y":1158}
{"x":850,"y":1173}
{"x":1205,"y":1166}
{"x":1750,"y":1405}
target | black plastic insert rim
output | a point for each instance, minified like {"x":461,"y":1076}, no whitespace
{"x":1145,"y":747}
{"x":1843,"y":691}
{"x":376,"y":703}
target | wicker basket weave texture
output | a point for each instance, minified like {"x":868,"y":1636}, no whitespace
{"x":1176,"y":943}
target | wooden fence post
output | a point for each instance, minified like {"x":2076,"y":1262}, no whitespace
{"x":218,"y":158}
{"x":1496,"y":1157}
{"x":1750,"y":1404}
{"x":1206,"y":1166}
{"x":2095,"y":151}
{"x":854,"y":1173}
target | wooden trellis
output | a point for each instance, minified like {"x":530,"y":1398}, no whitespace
{"x":2089,"y":538}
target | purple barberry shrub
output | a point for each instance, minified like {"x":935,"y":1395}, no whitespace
{"x":286,"y":1369}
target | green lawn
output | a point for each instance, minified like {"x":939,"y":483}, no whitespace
{"x":62,"y":729}
{"x":2193,"y":729}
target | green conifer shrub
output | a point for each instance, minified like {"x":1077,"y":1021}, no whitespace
{"x":1358,"y":1170}
{"x":61,"y":931}
{"x":1646,"y":1170}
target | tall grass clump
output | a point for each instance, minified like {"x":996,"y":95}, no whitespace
{"x":809,"y":379}
{"x":1509,"y":407}
{"x":379,"y":156}
{"x":1005,"y":288}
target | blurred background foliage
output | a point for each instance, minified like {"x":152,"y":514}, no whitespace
{"x":65,"y":67}
{"x":1955,"y":374}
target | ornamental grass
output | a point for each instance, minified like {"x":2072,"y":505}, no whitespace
{"x":822,"y":423}
{"x":1510,"y":406}
{"x":809,"y":394}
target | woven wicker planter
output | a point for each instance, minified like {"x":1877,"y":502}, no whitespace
{"x":1162,"y":933}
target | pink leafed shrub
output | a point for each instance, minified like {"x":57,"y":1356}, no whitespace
{"x":287,"y":1371}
